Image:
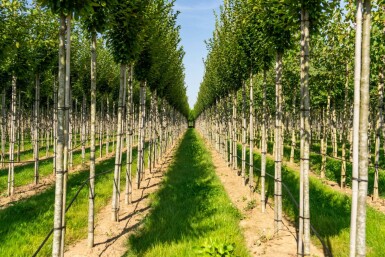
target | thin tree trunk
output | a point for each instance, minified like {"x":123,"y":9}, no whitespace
{"x":356,"y":125}
{"x":130,"y":135}
{"x":235,"y":131}
{"x":91,"y":198}
{"x":293,"y":127}
{"x":251,"y":137}
{"x":57,"y":233}
{"x":304,"y":243}
{"x":108,"y":127}
{"x":344,"y":129}
{"x":244,"y":133}
{"x":84,"y":130}
{"x":101,"y":124}
{"x":118,"y":161}
{"x":324,"y":140}
{"x":36,"y":129}
{"x":278,"y":145}
{"x":55,"y":125}
{"x":12,"y":138}
{"x":264,"y":143}
{"x":18,"y":118}
{"x":378,"y":130}
{"x":3,"y":127}
{"x":140,"y":168}
{"x":66,"y":146}
{"x":363,"y":133}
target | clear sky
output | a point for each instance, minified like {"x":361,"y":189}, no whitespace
{"x":197,"y":23}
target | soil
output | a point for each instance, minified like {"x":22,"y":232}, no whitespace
{"x":111,"y":237}
{"x":258,"y":227}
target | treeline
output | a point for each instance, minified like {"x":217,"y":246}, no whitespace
{"x":310,"y":70}
{"x":71,"y":70}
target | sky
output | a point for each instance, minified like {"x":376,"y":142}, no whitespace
{"x":197,"y":23}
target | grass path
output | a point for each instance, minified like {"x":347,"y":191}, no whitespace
{"x":191,"y":213}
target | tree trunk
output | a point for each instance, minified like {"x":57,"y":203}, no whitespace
{"x":324,"y":140}
{"x":363,"y":133}
{"x":244,"y":133}
{"x":251,"y":137}
{"x":344,"y":129}
{"x":55,"y":125}
{"x":130,"y":135}
{"x":12,"y":138}
{"x":66,"y":146}
{"x":304,"y":243}
{"x":140,"y":165}
{"x":58,"y":224}
{"x":108,"y":127}
{"x":356,"y":122}
{"x":36,"y":129}
{"x":293,"y":127}
{"x":378,"y":130}
{"x":235,"y":141}
{"x":101,"y":129}
{"x":278,"y":145}
{"x":264,"y":143}
{"x":118,"y":161}
{"x":91,"y":201}
{"x":3,"y":127}
{"x":84,"y":130}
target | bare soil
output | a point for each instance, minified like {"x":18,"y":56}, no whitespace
{"x":258,"y":227}
{"x":111,"y":237}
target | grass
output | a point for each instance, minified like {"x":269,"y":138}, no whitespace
{"x":24,"y":174}
{"x":191,"y":213}
{"x":330,"y":212}
{"x":25,"y":224}
{"x":333,"y":167}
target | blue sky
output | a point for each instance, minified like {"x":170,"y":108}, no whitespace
{"x":197,"y":22}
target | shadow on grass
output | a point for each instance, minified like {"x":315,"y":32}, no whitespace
{"x":181,"y":201}
{"x":330,"y":210}
{"x":25,"y":224}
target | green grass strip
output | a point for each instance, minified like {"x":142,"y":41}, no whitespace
{"x":329,"y":212}
{"x":191,"y":213}
{"x":24,"y":225}
{"x":25,"y":174}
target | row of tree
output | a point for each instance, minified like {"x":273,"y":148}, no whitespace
{"x":116,"y":50}
{"x":266,"y":42}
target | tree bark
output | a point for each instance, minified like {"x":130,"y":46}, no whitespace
{"x":91,"y":201}
{"x":58,"y":222}
{"x":264,"y":143}
{"x":36,"y":129}
{"x":3,"y":127}
{"x":363,"y":133}
{"x":12,"y":138}
{"x":118,"y":161}
{"x":378,"y":129}
{"x":356,"y":125}
{"x":130,"y":135}
{"x":235,"y":131}
{"x":140,"y":165}
{"x":278,"y":145}
{"x":84,"y":130}
{"x":251,"y":137}
{"x":244,"y":133}
{"x":304,"y":243}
